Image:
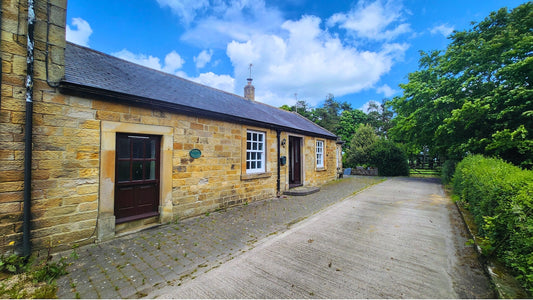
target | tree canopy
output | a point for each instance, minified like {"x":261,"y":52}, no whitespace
{"x":475,"y":97}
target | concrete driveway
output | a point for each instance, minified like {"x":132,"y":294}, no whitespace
{"x":402,"y":238}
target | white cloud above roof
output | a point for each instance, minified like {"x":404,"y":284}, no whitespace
{"x":203,"y":58}
{"x":223,"y":21}
{"x":289,"y":56}
{"x":80,"y":33}
{"x":308,"y":61}
{"x":185,"y":9}
{"x":221,"y":82}
{"x":378,"y":20}
{"x":141,"y":59}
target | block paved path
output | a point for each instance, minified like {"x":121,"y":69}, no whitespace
{"x":402,"y":238}
{"x":139,"y":264}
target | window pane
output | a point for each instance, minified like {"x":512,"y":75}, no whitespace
{"x":259,"y":165}
{"x":253,"y":164}
{"x":123,"y":171}
{"x":248,"y":146}
{"x":259,"y":154}
{"x":150,"y":169}
{"x":248,"y":136}
{"x":138,"y":148}
{"x":254,"y":146}
{"x":137,"y":170}
{"x":260,"y":147}
{"x":123,"y":148}
{"x":247,"y":165}
{"x":152,"y":149}
{"x":260,"y":137}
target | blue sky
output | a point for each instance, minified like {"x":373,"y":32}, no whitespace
{"x":359,"y":51}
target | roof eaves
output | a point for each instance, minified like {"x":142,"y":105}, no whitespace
{"x":75,"y":89}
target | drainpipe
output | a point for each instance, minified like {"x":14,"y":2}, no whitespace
{"x":1,"y":71}
{"x":28,"y":132}
{"x":278,"y":194}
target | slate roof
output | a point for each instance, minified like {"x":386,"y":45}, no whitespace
{"x":98,"y":74}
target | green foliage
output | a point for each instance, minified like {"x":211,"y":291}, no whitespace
{"x":368,"y":149}
{"x":349,"y":122}
{"x":380,"y":116}
{"x":29,"y":280}
{"x":448,"y":169}
{"x":49,"y":271}
{"x":358,"y":152}
{"x":389,"y":158}
{"x":328,"y":116}
{"x":14,"y":264}
{"x":499,"y":195}
{"x":477,"y":96}
{"x":341,"y":119}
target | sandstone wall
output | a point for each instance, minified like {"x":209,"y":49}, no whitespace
{"x":12,"y":119}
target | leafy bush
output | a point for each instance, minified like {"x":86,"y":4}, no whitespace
{"x":448,"y":168}
{"x":389,"y":158}
{"x":358,"y":153}
{"x":499,"y":195}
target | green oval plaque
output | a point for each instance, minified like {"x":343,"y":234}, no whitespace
{"x":195,"y":153}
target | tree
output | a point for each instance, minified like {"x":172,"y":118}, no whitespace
{"x":358,"y":152}
{"x":328,"y":116}
{"x":349,"y":122}
{"x":380,"y":116}
{"x":476,"y":96}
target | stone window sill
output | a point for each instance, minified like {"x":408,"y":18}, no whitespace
{"x":255,"y":176}
{"x":321,"y":169}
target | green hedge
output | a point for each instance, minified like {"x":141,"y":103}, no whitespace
{"x":389,"y":158}
{"x":499,"y":195}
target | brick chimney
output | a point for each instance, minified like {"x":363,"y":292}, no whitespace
{"x":249,"y":90}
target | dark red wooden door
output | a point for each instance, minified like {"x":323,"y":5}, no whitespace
{"x":136,"y":177}
{"x":295,"y":161}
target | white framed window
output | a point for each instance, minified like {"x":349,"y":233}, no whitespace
{"x":319,"y":154}
{"x":255,"y":152}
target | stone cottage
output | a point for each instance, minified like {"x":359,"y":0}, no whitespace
{"x":92,"y":147}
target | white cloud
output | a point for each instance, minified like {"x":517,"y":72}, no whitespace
{"x":185,"y":9}
{"x":309,"y":61}
{"x":443,"y":29}
{"x":80,"y":35}
{"x":173,"y":61}
{"x":203,"y":58}
{"x":366,"y":107}
{"x":295,"y":56}
{"x":223,"y":21}
{"x":379,"y":20}
{"x":141,"y":59}
{"x":221,"y":82}
{"x":173,"y":65}
{"x":386,"y":90}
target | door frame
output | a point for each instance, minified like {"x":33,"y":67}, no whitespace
{"x":295,"y":161}
{"x":106,"y":200}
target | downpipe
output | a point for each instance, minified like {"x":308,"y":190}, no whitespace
{"x":28,"y":133}
{"x":278,"y":135}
